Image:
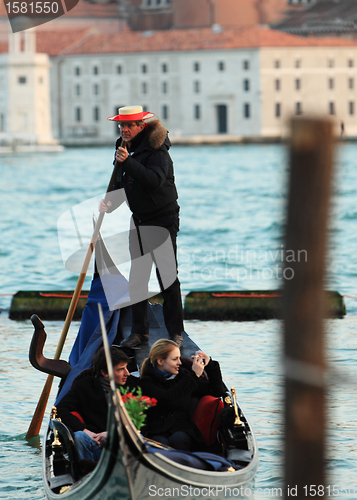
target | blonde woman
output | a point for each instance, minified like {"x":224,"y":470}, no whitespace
{"x":177,"y":390}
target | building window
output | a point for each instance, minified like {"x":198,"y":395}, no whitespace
{"x":40,"y":80}
{"x":78,"y":89}
{"x":351,"y":108}
{"x":96,"y":89}
{"x":331,"y":108}
{"x":22,"y":80}
{"x":164,"y":68}
{"x":165,"y":87}
{"x":144,"y":88}
{"x":298,"y":63}
{"x":77,"y":70}
{"x":96,"y":114}
{"x":144,"y":68}
{"x":246,"y":110}
{"x":277,"y":109}
{"x":119,"y":69}
{"x":298,"y":108}
{"x":145,"y":108}
{"x":78,"y":114}
{"x":297,"y":84}
{"x":197,"y":112}
{"x":330,"y":63}
{"x":277,"y":63}
{"x":351,"y":83}
{"x":277,"y":84}
{"x":95,"y":70}
{"x":351,"y":63}
{"x":246,"y":85}
{"x":165,"y":112}
{"x":221,"y":66}
{"x":245,"y":64}
{"x":197,"y":86}
{"x":331,"y":83}
{"x":196,"y":66}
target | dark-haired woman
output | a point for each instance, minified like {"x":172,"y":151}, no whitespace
{"x":177,"y":390}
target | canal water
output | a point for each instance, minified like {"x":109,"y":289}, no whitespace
{"x":233,"y":201}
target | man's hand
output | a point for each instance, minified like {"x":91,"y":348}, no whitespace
{"x":121,"y":155}
{"x":90,"y":433}
{"x":103,"y":207}
{"x":100,"y":438}
{"x":97,"y":438}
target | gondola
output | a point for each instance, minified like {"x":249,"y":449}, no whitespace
{"x":132,"y":467}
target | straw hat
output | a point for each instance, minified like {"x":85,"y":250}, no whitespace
{"x":131,"y":114}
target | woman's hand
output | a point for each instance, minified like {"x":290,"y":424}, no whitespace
{"x":198,"y":365}
{"x":103,"y":207}
{"x":206,"y":359}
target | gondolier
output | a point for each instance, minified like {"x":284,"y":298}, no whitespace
{"x":147,"y":176}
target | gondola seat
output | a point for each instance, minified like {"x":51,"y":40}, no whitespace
{"x":205,"y":417}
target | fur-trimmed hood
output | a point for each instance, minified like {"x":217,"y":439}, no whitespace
{"x":157,"y":133}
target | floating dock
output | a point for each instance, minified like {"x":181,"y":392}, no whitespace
{"x":248,"y":305}
{"x":241,"y":305}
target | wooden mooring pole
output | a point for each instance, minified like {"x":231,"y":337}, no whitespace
{"x":311,"y":165}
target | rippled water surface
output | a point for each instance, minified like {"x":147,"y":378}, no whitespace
{"x":232,"y":213}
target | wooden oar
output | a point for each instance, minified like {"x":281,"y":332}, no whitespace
{"x":36,"y":422}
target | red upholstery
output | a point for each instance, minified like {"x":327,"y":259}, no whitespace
{"x":76,"y":414}
{"x":205,"y":417}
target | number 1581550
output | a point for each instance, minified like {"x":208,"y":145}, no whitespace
{"x":32,"y":8}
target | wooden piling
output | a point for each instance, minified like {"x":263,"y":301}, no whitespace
{"x":311,"y":165}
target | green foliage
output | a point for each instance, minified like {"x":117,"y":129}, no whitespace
{"x":136,"y":404}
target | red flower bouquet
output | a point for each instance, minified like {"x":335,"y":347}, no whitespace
{"x":136,"y":404}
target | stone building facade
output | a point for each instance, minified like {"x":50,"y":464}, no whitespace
{"x":25,"y":107}
{"x":204,"y":84}
{"x":313,"y":80}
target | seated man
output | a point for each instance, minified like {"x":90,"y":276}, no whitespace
{"x":89,"y":397}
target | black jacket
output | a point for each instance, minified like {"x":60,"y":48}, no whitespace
{"x":87,"y":398}
{"x":177,"y":399}
{"x":147,"y":175}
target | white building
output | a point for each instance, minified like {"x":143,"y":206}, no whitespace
{"x":193,"y":93}
{"x":204,"y":84}
{"x":25,"y":108}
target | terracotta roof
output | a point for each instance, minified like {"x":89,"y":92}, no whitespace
{"x":197,"y":39}
{"x":89,"y":41}
{"x":56,"y":42}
